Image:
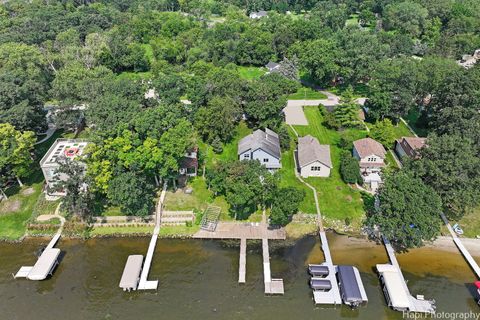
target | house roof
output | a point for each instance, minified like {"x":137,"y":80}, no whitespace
{"x":310,"y":150}
{"x":266,"y":140}
{"x":367,"y":146}
{"x":271,"y":65}
{"x":187,"y":163}
{"x":414,"y":142}
{"x":261,"y":13}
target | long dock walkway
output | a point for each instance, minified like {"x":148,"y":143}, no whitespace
{"x":415,"y":305}
{"x":473,"y":264}
{"x":145,"y":284}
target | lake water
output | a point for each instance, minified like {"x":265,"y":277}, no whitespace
{"x":198,"y":280}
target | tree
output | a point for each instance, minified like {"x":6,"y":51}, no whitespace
{"x":70,"y":178}
{"x":349,"y":168}
{"x":409,"y":211}
{"x":245,"y":184}
{"x":384,"y":132}
{"x":132,"y":192}
{"x":23,"y":84}
{"x":285,"y":203}
{"x":449,"y":164}
{"x":15,"y":151}
{"x":218,"y":119}
{"x":406,"y":17}
{"x":318,"y":58}
{"x":347,"y":115}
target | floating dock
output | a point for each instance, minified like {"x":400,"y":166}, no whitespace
{"x":395,"y":287}
{"x":131,"y":273}
{"x":242,"y":267}
{"x":46,"y":263}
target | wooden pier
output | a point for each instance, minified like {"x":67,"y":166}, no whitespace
{"x":473,"y":264}
{"x":272,"y":286}
{"x":395,"y":287}
{"x":242,"y":268}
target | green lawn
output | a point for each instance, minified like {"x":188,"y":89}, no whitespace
{"x":199,"y":200}
{"x":352,"y":20}
{"x":250,"y":73}
{"x":337,"y":199}
{"x":413,"y":120}
{"x":360,"y":90}
{"x":17,"y":210}
{"x":307,"y":94}
{"x":470,"y":223}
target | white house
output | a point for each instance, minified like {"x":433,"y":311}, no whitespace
{"x":263,"y":146}
{"x":61,"y":148}
{"x":313,"y":158}
{"x":371,"y":156}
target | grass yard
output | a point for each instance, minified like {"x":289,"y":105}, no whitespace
{"x":199,"y":200}
{"x":337,"y":199}
{"x":470,"y":223}
{"x":250,"y":73}
{"x":307,"y":94}
{"x":360,"y":90}
{"x":413,"y":121}
{"x":17,"y":210}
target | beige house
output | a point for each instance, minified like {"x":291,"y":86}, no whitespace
{"x":371,"y":156}
{"x":313,"y":158}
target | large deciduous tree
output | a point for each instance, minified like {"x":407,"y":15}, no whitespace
{"x":285,"y":204}
{"x":450,"y":165}
{"x":15,"y":151}
{"x":23,"y":84}
{"x":409,"y":211}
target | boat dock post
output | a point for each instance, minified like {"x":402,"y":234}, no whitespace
{"x":242,"y":268}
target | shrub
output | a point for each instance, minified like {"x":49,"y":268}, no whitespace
{"x":349,"y":169}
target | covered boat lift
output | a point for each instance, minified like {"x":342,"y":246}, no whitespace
{"x":351,"y":286}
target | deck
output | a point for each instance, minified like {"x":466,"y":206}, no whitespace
{"x":241,"y":230}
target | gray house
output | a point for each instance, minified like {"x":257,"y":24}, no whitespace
{"x":258,"y":14}
{"x":263,"y":146}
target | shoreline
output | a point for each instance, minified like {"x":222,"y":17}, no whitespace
{"x":356,"y":240}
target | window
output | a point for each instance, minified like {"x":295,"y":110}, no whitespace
{"x":246,"y":156}
{"x":316,"y":168}
{"x":265,"y":159}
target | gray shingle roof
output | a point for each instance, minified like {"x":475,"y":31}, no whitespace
{"x":271,"y":65}
{"x":268,"y":141}
{"x":310,"y":150}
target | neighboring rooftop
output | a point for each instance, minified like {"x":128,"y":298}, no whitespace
{"x":310,"y":150}
{"x":258,"y":14}
{"x":414,"y":142}
{"x":268,"y":141}
{"x":272,"y":65}
{"x":367,"y":146}
{"x":69,"y":148}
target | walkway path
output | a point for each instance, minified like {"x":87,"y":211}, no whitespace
{"x":473,"y":264}
{"x":145,"y":284}
{"x":50,"y":131}
{"x":46,"y":217}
